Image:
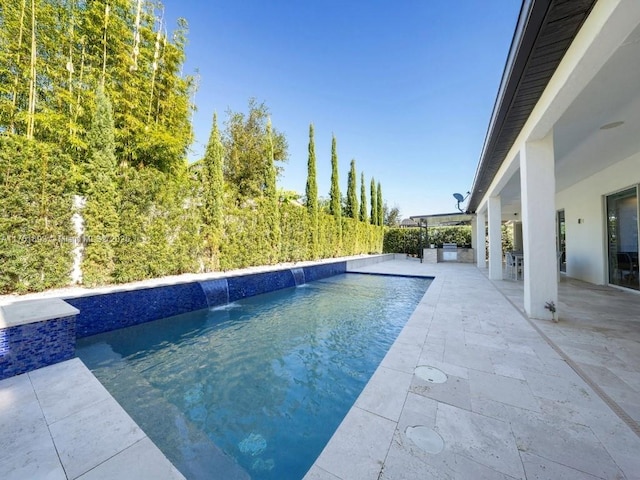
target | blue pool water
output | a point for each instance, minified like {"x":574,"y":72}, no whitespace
{"x":254,"y":389}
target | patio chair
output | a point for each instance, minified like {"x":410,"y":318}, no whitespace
{"x":625,"y":266}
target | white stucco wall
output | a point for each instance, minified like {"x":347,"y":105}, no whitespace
{"x":586,"y":241}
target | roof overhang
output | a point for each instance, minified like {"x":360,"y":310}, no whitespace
{"x":443,"y":219}
{"x":544,"y":32}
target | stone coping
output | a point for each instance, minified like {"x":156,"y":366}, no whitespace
{"x":32,"y":311}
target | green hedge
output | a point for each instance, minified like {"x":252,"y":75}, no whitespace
{"x":36,"y":239}
{"x":160,"y":225}
{"x":408,"y":240}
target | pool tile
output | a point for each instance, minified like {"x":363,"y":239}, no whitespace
{"x":317,"y":473}
{"x":93,"y":435}
{"x":402,"y":357}
{"x":348,"y":455}
{"x":15,"y":390}
{"x":385,"y":393}
{"x":502,"y":389}
{"x":65,"y":388}
{"x":563,"y":442}
{"x":35,"y":459}
{"x":455,"y":391}
{"x":406,"y":461}
{"x":141,"y":461}
{"x":469,"y":469}
{"x":485,"y":440}
{"x":22,"y":425}
{"x":538,"y":467}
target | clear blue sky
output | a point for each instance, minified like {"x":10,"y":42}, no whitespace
{"x":406,"y":86}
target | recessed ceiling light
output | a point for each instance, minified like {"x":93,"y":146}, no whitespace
{"x":611,"y":125}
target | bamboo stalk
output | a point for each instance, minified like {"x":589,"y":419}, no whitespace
{"x":70,"y":68}
{"x":156,"y":60}
{"x":104,"y":42}
{"x":136,"y":37}
{"x":12,"y":127}
{"x":77,"y":112}
{"x":32,"y":74}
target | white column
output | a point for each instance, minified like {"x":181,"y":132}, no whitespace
{"x":538,"y":184}
{"x":481,"y":240}
{"x":495,"y":238}
{"x":474,"y":235}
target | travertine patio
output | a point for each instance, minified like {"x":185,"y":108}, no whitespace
{"x":512,"y":405}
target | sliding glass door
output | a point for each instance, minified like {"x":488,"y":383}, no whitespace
{"x":622,"y":235}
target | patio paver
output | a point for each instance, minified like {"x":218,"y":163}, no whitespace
{"x":512,"y":405}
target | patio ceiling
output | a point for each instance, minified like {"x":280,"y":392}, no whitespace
{"x":544,"y":32}
{"x":581,"y":146}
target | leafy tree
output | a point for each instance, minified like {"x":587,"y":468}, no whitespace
{"x":352,"y":196}
{"x":213,"y":197}
{"x":100,"y":213}
{"x":391,"y":216}
{"x":246,"y":160}
{"x":363,"y":200}
{"x":374,"y":202}
{"x":379,"y":206}
{"x":311,"y":193}
{"x":271,"y":212}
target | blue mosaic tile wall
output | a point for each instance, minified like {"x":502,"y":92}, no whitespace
{"x":27,"y":347}
{"x":35,"y":345}
{"x":110,"y":311}
{"x":318,"y":272}
{"x":250,"y":285}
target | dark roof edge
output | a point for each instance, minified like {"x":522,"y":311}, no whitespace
{"x":530,"y":21}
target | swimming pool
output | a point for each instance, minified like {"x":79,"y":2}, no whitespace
{"x":256,"y":388}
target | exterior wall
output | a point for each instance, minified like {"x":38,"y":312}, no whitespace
{"x":586,"y":241}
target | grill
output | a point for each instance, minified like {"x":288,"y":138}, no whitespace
{"x":449,"y":252}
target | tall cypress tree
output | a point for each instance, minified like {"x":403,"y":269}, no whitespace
{"x":312,"y":194}
{"x":213,"y":196}
{"x":380,"y":206}
{"x":374,"y":203}
{"x":363,"y":200}
{"x":100,"y":213}
{"x":352,"y":196}
{"x":335,"y":207}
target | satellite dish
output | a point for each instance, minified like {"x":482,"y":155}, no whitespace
{"x":459,"y":198}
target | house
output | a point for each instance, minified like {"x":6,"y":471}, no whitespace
{"x":408,"y":223}
{"x":561,"y":158}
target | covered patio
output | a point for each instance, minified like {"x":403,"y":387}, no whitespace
{"x":561,"y":159}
